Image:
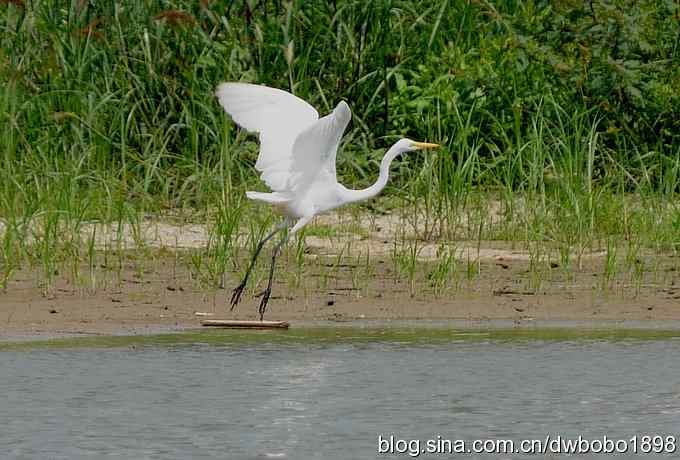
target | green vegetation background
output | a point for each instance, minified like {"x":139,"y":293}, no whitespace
{"x":107,"y":109}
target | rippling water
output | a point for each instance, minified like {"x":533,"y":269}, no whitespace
{"x":329,"y":400}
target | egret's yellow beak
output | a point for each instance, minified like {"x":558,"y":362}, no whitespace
{"x":425,"y":145}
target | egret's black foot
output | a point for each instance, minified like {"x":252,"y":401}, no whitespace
{"x":263,"y":302}
{"x":236,"y":294}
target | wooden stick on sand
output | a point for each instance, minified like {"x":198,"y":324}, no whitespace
{"x":227,"y":323}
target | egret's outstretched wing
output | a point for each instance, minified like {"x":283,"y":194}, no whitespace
{"x":315,"y":149}
{"x":277,"y":116}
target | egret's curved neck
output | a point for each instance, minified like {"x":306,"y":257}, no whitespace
{"x":373,"y":190}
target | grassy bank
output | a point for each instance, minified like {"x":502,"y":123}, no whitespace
{"x":559,"y":122}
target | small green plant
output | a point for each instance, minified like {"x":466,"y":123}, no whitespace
{"x":405,"y":257}
{"x":610,"y":265}
{"x":443,"y":275}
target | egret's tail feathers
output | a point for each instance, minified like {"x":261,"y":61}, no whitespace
{"x":273,"y":198}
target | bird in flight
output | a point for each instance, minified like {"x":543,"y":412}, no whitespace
{"x":296,"y":161}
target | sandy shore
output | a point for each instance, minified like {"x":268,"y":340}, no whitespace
{"x":508,"y":284}
{"x":160,"y":300}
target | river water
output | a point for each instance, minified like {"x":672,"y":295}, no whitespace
{"x":335,"y":399}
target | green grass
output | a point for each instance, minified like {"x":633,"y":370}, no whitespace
{"x":563,"y":115}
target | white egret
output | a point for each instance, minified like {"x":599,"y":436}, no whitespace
{"x":296,"y":160}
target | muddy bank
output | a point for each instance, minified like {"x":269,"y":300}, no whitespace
{"x":165,"y":296}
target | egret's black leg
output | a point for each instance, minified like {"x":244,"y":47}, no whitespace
{"x":238,"y":290}
{"x":267,"y":292}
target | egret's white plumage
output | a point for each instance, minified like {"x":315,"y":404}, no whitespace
{"x":297,"y":148}
{"x":297,"y":157}
{"x":277,"y":116}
